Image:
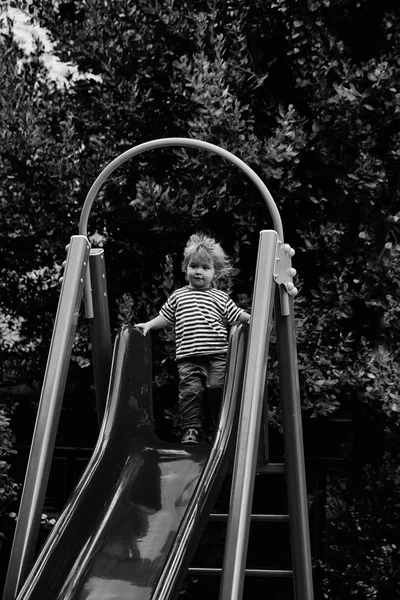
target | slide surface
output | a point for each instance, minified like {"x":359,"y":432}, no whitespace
{"x":133,"y":522}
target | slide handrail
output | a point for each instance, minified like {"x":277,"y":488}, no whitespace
{"x":44,"y":435}
{"x":185,"y":142}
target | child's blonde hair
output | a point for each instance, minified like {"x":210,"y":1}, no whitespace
{"x":207,"y":248}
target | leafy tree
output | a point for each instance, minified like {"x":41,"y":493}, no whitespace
{"x":8,"y":488}
{"x":365,"y":548}
{"x":284,"y":85}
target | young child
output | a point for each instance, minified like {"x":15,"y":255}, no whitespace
{"x":200,"y":313}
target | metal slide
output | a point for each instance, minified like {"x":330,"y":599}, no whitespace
{"x":132,"y":524}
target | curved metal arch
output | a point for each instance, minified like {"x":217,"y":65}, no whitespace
{"x":177,"y":141}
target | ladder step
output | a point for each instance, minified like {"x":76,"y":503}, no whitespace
{"x":264,"y":468}
{"x":270,"y":468}
{"x":248,"y":572}
{"x":255,"y":518}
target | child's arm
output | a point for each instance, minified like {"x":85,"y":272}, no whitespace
{"x":156,"y":323}
{"x":244,"y":317}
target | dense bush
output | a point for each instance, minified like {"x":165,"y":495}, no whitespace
{"x":8,"y":488}
{"x":288,"y":88}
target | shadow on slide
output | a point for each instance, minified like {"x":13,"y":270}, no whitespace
{"x":132,"y":524}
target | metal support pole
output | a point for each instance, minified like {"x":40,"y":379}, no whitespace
{"x":294,"y":452}
{"x":44,"y":435}
{"x":100,"y":333}
{"x":237,"y":537}
{"x":263,"y":445}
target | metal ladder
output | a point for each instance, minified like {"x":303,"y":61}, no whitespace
{"x":246,"y":464}
{"x":264,"y":469}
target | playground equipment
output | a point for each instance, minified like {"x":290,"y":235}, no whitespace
{"x":89,"y":553}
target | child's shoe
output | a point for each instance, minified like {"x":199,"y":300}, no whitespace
{"x":191,"y":436}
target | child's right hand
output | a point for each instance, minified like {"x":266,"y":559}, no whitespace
{"x":144,"y":327}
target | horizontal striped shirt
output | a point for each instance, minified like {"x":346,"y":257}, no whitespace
{"x":200,"y":318}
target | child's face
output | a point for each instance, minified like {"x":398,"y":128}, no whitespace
{"x":200,"y":272}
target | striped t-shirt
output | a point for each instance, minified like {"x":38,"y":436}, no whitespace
{"x":200,"y":318}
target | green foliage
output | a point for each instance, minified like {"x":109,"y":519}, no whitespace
{"x":288,"y":88}
{"x":8,"y":488}
{"x":364,"y":542}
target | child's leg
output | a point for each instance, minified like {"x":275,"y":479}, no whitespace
{"x":215,"y":383}
{"x":192,"y":378}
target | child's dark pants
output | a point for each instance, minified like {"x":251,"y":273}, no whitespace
{"x":198,"y":376}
